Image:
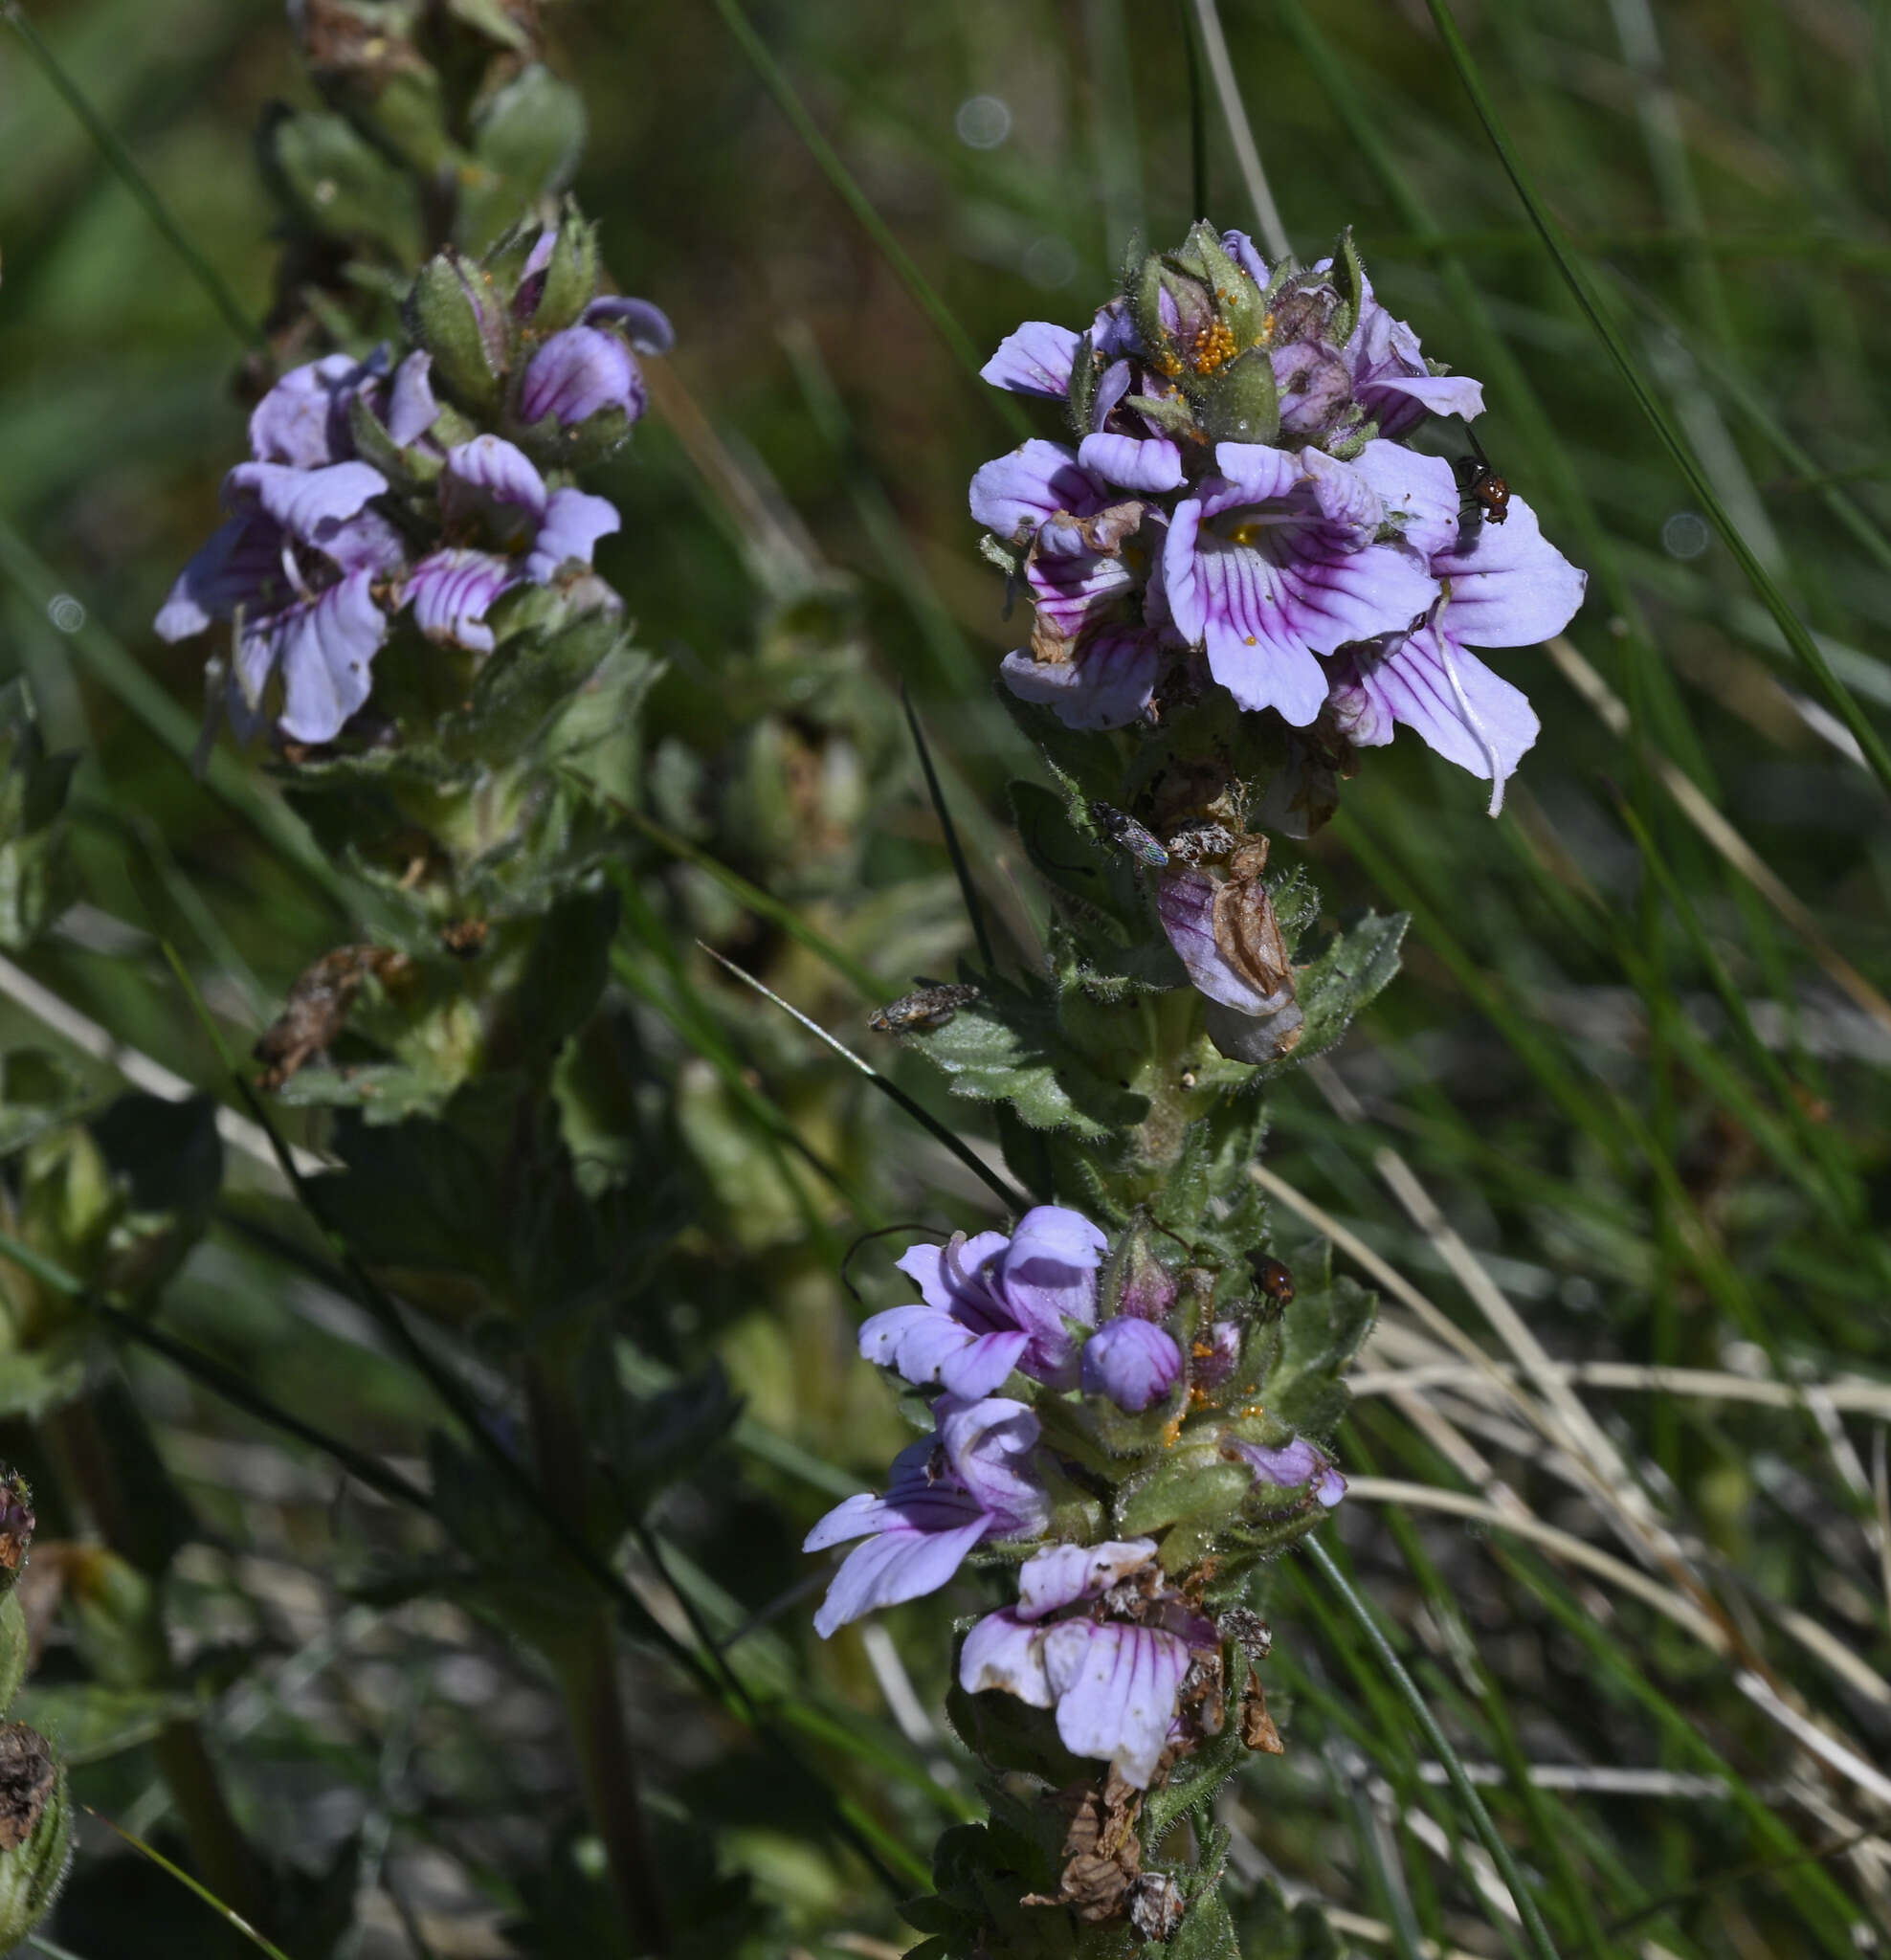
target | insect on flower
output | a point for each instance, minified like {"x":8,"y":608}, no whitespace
{"x":927,"y":1007}
{"x":1128,"y":834}
{"x":1486,"y":494}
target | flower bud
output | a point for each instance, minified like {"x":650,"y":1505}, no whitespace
{"x":456,"y":318}
{"x":35,"y":1831}
{"x":558,"y":292}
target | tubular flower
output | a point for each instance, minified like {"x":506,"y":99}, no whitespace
{"x":590,"y":368}
{"x":1113,"y":1667}
{"x":1241,"y":507}
{"x":993,"y":1303}
{"x":491,"y":490}
{"x":974,"y":1480}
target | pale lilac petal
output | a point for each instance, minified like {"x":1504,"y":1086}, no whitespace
{"x":234,"y":568}
{"x":493,"y":478}
{"x":1064,"y":1574}
{"x":1510,"y":586}
{"x":1014,"y":494}
{"x":324,"y":650}
{"x":576,"y":373}
{"x":895,"y":1566}
{"x":411,"y":410}
{"x":1034,"y":360}
{"x":1250,"y":473}
{"x":1133,"y":1362}
{"x":1469,"y":715}
{"x":1419,"y":494}
{"x":1441,"y":395}
{"x":309,"y":504}
{"x":950,"y":1277}
{"x":1345,"y":497}
{"x":1116,"y":1687}
{"x":1184,"y":903}
{"x":647,"y":326}
{"x":1071,"y":588}
{"x":1294,"y":1463}
{"x":1152,"y":466}
{"x":450,"y":592}
{"x":928,"y":1346}
{"x":367,"y":541}
{"x":1245,"y":254}
{"x":992,"y":1445}
{"x":1048,"y":1276}
{"x":1233,"y":599}
{"x":1112,"y":385}
{"x":1001,"y":1652}
{"x":302,"y":421}
{"x":1106,"y":684}
{"x":573,"y":522}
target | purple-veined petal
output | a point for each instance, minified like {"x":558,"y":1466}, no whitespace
{"x":577,"y":372}
{"x":494,"y":478}
{"x":302,"y":421}
{"x":574,"y":520}
{"x":450,"y":592}
{"x":647,"y":326}
{"x":992,"y":1445}
{"x":1012,"y":495}
{"x":411,"y":410}
{"x":864,"y":1513}
{"x":1133,"y":1362}
{"x":1106,"y":684}
{"x":1250,"y":473}
{"x":367,"y":541}
{"x":309,"y":504}
{"x":1116,"y":1687}
{"x":238,"y":566}
{"x":1034,"y":360}
{"x":1112,"y":385}
{"x":1064,"y":1574}
{"x":1152,"y":466}
{"x":1003,"y":1653}
{"x":1469,"y":715}
{"x":324,"y":650}
{"x":1418,"y":492}
{"x":1071,"y":589}
{"x":895,"y":1566}
{"x":1510,"y":586}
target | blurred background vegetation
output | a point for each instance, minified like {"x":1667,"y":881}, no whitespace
{"x":1625,"y":1109}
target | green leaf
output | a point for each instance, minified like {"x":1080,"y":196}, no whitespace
{"x":39,"y":1091}
{"x":1348,"y":975}
{"x":1319,"y":1334}
{"x":1207,"y":1932}
{"x":566,"y":970}
{"x":90,"y":1723}
{"x":527,"y":138}
{"x":340,"y":184}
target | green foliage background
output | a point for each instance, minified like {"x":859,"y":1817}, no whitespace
{"x":1624,"y":1057}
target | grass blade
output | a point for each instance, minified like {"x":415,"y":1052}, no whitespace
{"x":961,"y":870}
{"x":184,"y":1879}
{"x":1804,"y":648}
{"x":1466,"y":1790}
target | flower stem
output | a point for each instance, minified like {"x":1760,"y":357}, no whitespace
{"x":586,"y":1669}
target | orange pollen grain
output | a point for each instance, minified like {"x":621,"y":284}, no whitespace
{"x":1213,"y":348}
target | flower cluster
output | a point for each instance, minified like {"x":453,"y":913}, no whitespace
{"x":1113,"y":1362}
{"x":368,"y":498}
{"x":1243,"y":506}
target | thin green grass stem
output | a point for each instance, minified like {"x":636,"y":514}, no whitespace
{"x":1465,"y":1789}
{"x":774,"y":78}
{"x":961,"y":869}
{"x":107,"y":139}
{"x":1799,"y":640}
{"x":230,"y":1918}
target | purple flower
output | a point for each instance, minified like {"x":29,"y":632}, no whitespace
{"x":1295,"y":1464}
{"x":302,"y":421}
{"x":491,"y":487}
{"x":1502,"y":585}
{"x":1276,"y":561}
{"x":1133,"y":1362}
{"x":586,"y":368}
{"x":946,"y":1494}
{"x":1391,"y":378}
{"x":297,"y":560}
{"x":993,"y":1303}
{"x":1113,"y":1682}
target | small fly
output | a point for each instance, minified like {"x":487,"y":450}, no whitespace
{"x":1274,"y":1279}
{"x":1484,"y":490}
{"x":1128,"y":834}
{"x":925,"y":1009}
